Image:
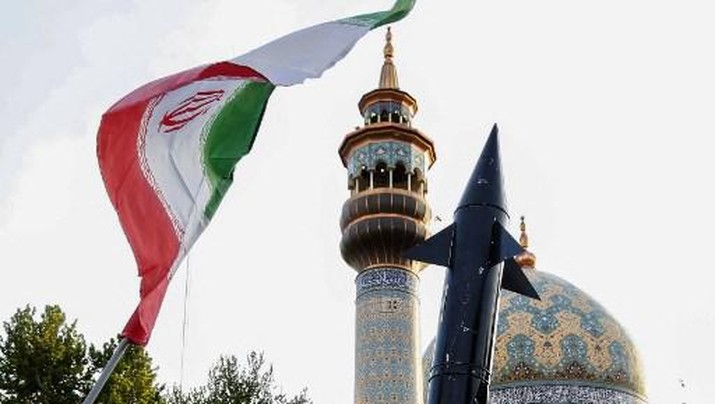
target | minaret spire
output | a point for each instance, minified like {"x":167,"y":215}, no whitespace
{"x":388,"y":74}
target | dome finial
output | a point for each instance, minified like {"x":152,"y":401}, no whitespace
{"x":388,"y":75}
{"x":524,"y":238}
{"x":526,"y":259}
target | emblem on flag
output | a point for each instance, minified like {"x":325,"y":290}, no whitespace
{"x":189,"y":109}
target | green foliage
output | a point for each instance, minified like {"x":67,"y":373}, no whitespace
{"x":48,"y":362}
{"x":231,"y":382}
{"x":42,"y":361}
{"x":133,"y":380}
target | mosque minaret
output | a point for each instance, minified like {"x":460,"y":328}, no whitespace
{"x":387,"y":160}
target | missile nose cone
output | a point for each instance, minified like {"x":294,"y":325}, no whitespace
{"x":485,"y":186}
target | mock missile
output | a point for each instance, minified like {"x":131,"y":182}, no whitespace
{"x":479,"y":255}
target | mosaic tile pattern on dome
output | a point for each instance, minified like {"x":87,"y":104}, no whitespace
{"x":386,"y":338}
{"x":560,"y":394}
{"x":566,"y":336}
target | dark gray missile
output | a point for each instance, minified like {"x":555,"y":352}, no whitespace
{"x":479,"y":254}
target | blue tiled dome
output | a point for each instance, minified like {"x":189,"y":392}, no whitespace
{"x":567,"y":337}
{"x":564,"y":348}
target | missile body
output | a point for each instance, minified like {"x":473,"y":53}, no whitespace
{"x":478,"y":252}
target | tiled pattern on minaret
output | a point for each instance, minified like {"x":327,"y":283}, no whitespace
{"x":388,"y":152}
{"x":386,"y":338}
{"x":387,"y":213}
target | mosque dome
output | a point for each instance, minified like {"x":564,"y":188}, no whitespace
{"x":565,"y":348}
{"x":565,"y":339}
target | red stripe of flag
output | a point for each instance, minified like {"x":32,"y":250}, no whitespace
{"x":141,"y":213}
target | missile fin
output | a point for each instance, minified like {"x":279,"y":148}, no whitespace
{"x":515,"y":280}
{"x":508,"y":246}
{"x":435,"y":250}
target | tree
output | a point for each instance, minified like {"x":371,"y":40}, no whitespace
{"x":42,"y":361}
{"x":48,"y":362}
{"x":231,"y":382}
{"x":133,"y":380}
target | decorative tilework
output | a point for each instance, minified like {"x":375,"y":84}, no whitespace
{"x":559,"y":394}
{"x":386,"y":338}
{"x":389,"y":152}
{"x":563,"y":349}
{"x":567,"y":336}
{"x":427,"y":366}
{"x":386,"y":278}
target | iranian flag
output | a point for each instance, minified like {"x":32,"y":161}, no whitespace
{"x":167,"y":151}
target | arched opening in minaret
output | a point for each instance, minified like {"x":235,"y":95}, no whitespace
{"x":399,"y":176}
{"x":382,"y":176}
{"x":362,"y":181}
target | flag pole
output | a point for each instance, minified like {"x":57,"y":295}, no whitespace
{"x":107,"y":371}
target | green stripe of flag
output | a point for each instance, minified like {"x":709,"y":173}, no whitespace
{"x":398,"y":11}
{"x":231,"y":137}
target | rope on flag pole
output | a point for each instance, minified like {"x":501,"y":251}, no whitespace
{"x":185,"y":323}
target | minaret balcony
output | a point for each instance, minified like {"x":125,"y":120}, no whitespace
{"x":378,"y":225}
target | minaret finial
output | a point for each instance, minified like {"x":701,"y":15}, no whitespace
{"x":388,"y":50}
{"x":388,"y":75}
{"x":526,"y":259}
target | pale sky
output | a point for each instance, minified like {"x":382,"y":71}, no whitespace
{"x":606,"y":114}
